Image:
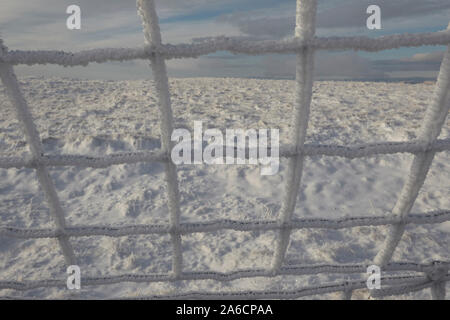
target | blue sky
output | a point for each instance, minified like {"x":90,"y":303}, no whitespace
{"x":40,"y":24}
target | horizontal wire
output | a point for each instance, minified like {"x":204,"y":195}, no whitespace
{"x":288,"y":294}
{"x":225,"y":276}
{"x":309,"y":150}
{"x":232,"y":44}
{"x":406,"y":288}
{"x":225,"y":224}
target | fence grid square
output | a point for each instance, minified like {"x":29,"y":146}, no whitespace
{"x":304,"y":45}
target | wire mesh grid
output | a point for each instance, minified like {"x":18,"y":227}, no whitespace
{"x":304,"y":45}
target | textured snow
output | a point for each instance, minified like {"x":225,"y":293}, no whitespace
{"x":98,"y":118}
{"x":431,"y":128}
{"x":304,"y":44}
{"x":15,"y":95}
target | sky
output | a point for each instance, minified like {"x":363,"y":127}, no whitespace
{"x":41,"y":24}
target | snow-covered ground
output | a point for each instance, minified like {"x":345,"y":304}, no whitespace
{"x":101,"y":117}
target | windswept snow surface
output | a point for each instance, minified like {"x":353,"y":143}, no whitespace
{"x":102,"y":117}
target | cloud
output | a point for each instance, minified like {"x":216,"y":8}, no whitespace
{"x":11,"y":10}
{"x":429,"y":62}
{"x":263,"y":27}
{"x":235,"y":66}
{"x":343,"y":15}
{"x":348,"y":65}
{"x":40,"y":24}
{"x":433,"y":57}
{"x":353,"y":13}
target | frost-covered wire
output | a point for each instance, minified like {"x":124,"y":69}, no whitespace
{"x":292,"y":294}
{"x":432,"y":217}
{"x":434,"y":120}
{"x":414,"y":286}
{"x":303,"y":44}
{"x":152,"y":33}
{"x":14,"y":93}
{"x":230,"y":44}
{"x":403,"y":279}
{"x":304,"y":30}
{"x":308,"y":150}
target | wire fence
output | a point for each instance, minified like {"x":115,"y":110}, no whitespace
{"x":304,"y":45}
